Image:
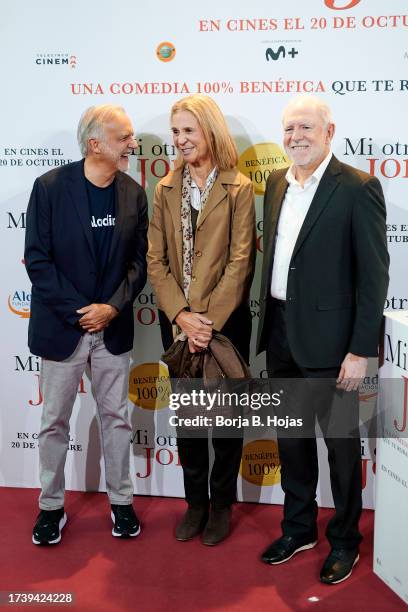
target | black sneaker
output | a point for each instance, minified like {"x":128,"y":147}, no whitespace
{"x":126,"y":523}
{"x":284,"y":548}
{"x":47,"y":529}
{"x":339,"y":565}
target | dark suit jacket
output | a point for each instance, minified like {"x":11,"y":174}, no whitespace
{"x":338,"y":275}
{"x":60,"y":260}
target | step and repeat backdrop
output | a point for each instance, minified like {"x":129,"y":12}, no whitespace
{"x":58,"y":59}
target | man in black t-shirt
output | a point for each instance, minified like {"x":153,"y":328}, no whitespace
{"x":85,"y":253}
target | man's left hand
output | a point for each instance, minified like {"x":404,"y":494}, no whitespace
{"x":96,"y":316}
{"x":352,"y":371}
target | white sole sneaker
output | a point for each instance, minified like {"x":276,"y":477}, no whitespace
{"x":305,"y":547}
{"x":119,"y":535}
{"x":346,"y":576}
{"x":61,"y":525}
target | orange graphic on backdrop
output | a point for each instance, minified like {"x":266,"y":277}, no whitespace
{"x":165,"y":51}
{"x":24,"y":313}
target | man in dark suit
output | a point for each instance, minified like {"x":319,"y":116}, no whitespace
{"x":85,"y":255}
{"x":324,"y":283}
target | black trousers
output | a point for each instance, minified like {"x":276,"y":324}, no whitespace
{"x":298,"y":456}
{"x":194,"y":452}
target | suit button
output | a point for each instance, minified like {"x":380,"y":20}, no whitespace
{"x":199,"y":229}
{"x":293,"y":268}
{"x":290,"y":299}
{"x":198,"y":253}
{"x":193,"y":278}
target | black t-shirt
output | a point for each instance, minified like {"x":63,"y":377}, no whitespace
{"x":102,"y":219}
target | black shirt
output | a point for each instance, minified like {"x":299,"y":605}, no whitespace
{"x":102,"y":219}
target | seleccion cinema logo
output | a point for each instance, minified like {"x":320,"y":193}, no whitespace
{"x":56,"y":59}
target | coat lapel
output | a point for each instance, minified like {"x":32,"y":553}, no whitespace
{"x":327,"y":185}
{"x":120,"y":213}
{"x":218,"y":192}
{"x":272,"y":212}
{"x":216,"y":195}
{"x":276,"y":206}
{"x":79,"y":196}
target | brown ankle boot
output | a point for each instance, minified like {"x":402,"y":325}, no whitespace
{"x":192,"y":523}
{"x":218,"y":526}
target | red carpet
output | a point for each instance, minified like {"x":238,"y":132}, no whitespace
{"x":155,"y":572}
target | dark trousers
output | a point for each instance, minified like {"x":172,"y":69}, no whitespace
{"x":298,"y":456}
{"x":194,"y":458}
{"x":194,"y":452}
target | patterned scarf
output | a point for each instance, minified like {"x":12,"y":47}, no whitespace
{"x":186,"y":226}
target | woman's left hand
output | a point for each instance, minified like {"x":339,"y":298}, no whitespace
{"x":195,"y":348}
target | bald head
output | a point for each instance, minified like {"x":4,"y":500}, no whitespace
{"x":309,"y":103}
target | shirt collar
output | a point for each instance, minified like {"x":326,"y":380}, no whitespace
{"x":315,"y":177}
{"x":209,"y":177}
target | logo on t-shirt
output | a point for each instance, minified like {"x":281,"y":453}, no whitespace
{"x":102,"y":221}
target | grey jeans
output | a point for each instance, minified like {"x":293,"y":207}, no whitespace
{"x":59,"y":382}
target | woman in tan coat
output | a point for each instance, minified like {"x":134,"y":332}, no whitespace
{"x":200,"y":262}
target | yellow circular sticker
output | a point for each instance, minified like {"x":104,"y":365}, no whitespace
{"x":149,"y":386}
{"x":258,"y":161}
{"x":260,"y":463}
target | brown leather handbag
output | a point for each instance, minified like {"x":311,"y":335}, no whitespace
{"x":219,"y":361}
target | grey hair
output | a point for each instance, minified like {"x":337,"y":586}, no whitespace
{"x":321,"y":107}
{"x":92,"y":123}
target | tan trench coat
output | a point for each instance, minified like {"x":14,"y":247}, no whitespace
{"x":224,"y":248}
